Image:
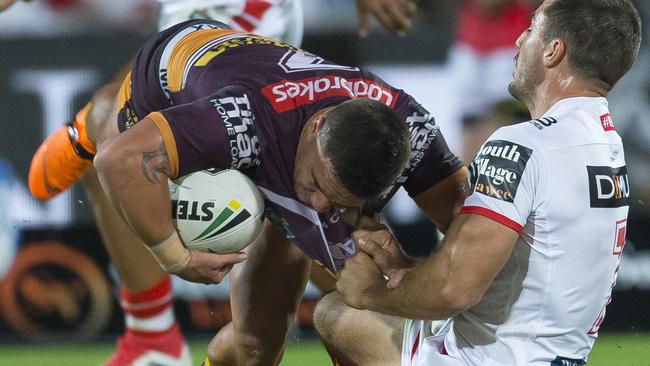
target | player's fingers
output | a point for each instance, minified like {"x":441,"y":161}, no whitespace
{"x":365,"y":222}
{"x":399,"y":20}
{"x":359,"y":233}
{"x":375,"y":251}
{"x":222,"y":272}
{"x":363,"y":258}
{"x":369,"y":246}
{"x":395,"y":278}
{"x":224,"y":269}
{"x":222,"y":260}
{"x":382,"y":236}
{"x":364,"y":23}
{"x":409,"y":8}
{"x":384,"y":17}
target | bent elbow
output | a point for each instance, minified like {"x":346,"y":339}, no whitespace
{"x":458,"y":299}
{"x":104,"y":159}
{"x":111,"y":160}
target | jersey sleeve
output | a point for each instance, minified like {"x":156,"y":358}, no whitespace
{"x":217,"y":131}
{"x":504,"y":178}
{"x":430,"y":162}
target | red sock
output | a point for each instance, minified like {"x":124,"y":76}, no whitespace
{"x":149,"y":313}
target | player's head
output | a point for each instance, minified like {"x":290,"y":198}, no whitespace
{"x":598,"y":40}
{"x":349,"y":154}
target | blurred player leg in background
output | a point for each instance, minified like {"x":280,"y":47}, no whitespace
{"x":277,"y":19}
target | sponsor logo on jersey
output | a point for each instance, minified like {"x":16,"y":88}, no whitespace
{"x":563,"y":361}
{"x":497,"y":169}
{"x":607,"y":122}
{"x":424,"y":130}
{"x":299,"y":60}
{"x":540,"y":123}
{"x":619,"y":237}
{"x":290,"y":94}
{"x":608,"y":187}
{"x":130,"y":118}
{"x":237,"y":116}
{"x":214,"y":48}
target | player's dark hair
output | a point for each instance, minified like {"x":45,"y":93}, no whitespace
{"x":367,"y":145}
{"x":602,"y":36}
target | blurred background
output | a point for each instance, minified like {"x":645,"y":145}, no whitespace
{"x":55,"y":279}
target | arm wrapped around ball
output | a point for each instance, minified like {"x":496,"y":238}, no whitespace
{"x":133,"y":169}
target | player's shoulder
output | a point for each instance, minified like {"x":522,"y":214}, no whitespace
{"x":523,"y":134}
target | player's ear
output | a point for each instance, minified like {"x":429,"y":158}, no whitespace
{"x":318,"y":122}
{"x":554,"y":53}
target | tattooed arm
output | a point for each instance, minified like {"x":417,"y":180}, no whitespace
{"x":133,"y":168}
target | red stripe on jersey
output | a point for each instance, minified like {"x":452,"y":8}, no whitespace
{"x":416,"y":343}
{"x":492,"y":215}
{"x":242,"y":24}
{"x":256,"y":8}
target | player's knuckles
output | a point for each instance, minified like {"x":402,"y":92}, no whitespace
{"x":368,"y":246}
{"x":359,"y":234}
{"x":381,"y":237}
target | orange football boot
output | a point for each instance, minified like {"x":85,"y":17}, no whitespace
{"x":61,"y":159}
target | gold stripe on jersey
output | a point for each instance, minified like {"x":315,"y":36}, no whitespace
{"x":244,"y":39}
{"x":184,"y":50}
{"x":124,"y":92}
{"x":168,"y":139}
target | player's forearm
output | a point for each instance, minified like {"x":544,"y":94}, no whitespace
{"x":134,"y":179}
{"x":452,"y":279}
{"x":426,"y":292}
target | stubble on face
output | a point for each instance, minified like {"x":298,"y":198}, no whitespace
{"x":529,"y":71}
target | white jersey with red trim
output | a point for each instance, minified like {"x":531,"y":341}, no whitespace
{"x":561,"y":182}
{"x":277,"y":19}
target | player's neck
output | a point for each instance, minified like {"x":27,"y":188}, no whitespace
{"x":554,"y":89}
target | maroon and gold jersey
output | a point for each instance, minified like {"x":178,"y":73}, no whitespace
{"x":231,"y":100}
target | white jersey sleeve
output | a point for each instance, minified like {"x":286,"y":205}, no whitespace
{"x":504,"y":177}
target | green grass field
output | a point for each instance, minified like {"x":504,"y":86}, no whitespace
{"x":612,"y":349}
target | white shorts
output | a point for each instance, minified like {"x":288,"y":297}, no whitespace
{"x":424,"y":344}
{"x":277,"y":19}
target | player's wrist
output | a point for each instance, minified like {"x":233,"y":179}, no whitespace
{"x":171,"y":254}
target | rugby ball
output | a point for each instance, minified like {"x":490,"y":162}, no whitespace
{"x":220,"y":211}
